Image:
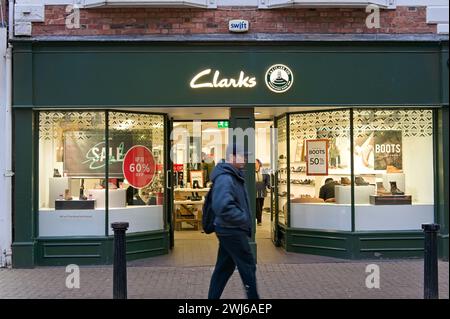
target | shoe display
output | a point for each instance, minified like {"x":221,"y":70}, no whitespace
{"x":56,"y":173}
{"x":299,"y":169}
{"x":395,"y":190}
{"x":360,"y":181}
{"x":392,"y":169}
{"x":303,"y":181}
{"x":381,"y":190}
{"x":345,"y":181}
{"x":67,"y":195}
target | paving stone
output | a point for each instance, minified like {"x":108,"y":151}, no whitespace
{"x":398,"y":279}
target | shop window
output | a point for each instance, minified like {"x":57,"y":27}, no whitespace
{"x":320,"y":170}
{"x":71,"y":174}
{"x":137,"y":199}
{"x":394,"y":180}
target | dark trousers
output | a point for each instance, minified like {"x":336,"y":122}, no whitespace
{"x":259,"y":209}
{"x":234,"y":250}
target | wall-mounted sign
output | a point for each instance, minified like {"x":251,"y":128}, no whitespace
{"x":85,"y":152}
{"x":222,"y":124}
{"x":317,"y":157}
{"x":202,"y":80}
{"x":279,"y":78}
{"x":238,"y":25}
{"x":139,"y":166}
{"x":388,"y":150}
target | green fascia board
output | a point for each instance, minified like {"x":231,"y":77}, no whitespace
{"x":102,"y":74}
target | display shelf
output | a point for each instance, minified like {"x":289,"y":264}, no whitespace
{"x":188,"y":202}
{"x":307,"y":185}
{"x":191,"y":190}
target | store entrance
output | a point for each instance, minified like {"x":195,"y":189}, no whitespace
{"x":197,"y":147}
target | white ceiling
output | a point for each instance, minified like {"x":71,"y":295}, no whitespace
{"x":222,"y":113}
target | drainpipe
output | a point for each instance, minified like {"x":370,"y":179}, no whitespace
{"x":11,"y":6}
{"x":8,"y":146}
{"x":7,"y":140}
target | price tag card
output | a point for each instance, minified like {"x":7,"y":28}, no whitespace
{"x":139,"y":166}
{"x":317,"y":157}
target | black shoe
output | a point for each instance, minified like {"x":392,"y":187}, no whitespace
{"x":395,"y":190}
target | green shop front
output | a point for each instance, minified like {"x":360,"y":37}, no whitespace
{"x":369,"y":117}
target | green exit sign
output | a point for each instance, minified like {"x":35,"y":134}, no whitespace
{"x":222,"y":124}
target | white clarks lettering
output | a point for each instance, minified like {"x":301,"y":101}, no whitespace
{"x":243,"y":81}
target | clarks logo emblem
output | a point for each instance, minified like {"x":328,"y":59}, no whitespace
{"x":279,"y":78}
{"x":205,"y":80}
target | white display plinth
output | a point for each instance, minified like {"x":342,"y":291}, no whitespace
{"x":140,"y":218}
{"x":393,"y":217}
{"x":117,"y":197}
{"x":327,"y":216}
{"x":362,"y":194}
{"x":56,"y":187}
{"x":63,"y":223}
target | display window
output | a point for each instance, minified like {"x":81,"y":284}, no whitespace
{"x":99,"y":167}
{"x":394,"y":177}
{"x":71,"y":168}
{"x":383,"y":182}
{"x":136,"y":170}
{"x":320,"y":170}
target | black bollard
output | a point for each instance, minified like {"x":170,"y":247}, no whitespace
{"x":120,"y":262}
{"x":431,"y":288}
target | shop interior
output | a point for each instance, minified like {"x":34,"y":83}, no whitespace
{"x":197,"y":148}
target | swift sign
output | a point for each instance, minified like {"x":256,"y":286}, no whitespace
{"x":238,"y":26}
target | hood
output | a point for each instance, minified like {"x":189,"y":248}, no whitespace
{"x":225,"y":168}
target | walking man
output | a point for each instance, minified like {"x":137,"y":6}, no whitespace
{"x":233,"y":225}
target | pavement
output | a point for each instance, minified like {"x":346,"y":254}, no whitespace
{"x":186,"y":271}
{"x":398,"y":279}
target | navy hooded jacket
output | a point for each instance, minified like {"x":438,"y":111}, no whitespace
{"x":230,"y":202}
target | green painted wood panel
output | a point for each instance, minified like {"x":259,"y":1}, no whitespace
{"x":23,"y":190}
{"x":145,"y":74}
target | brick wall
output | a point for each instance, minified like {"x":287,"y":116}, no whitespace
{"x":139,"y":21}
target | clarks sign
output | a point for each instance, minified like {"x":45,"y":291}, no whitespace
{"x":278,"y":78}
{"x":205,"y":80}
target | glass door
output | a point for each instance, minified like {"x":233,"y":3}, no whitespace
{"x":273,"y":187}
{"x":170,"y":183}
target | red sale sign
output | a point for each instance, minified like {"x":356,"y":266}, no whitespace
{"x":139,"y":166}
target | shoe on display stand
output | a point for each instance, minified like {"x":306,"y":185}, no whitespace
{"x":56,"y":173}
{"x":395,"y":190}
{"x":345,"y":181}
{"x":360,"y":181}
{"x":381,"y":190}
